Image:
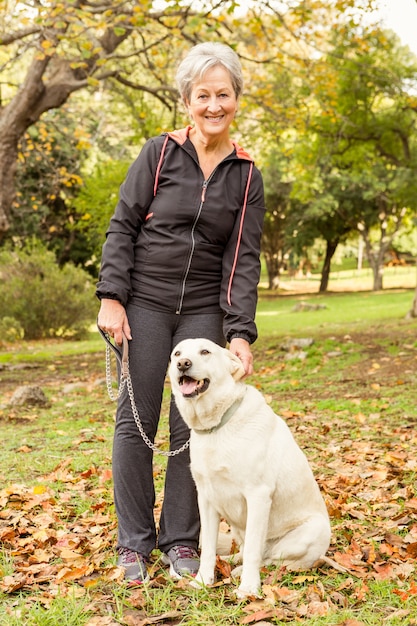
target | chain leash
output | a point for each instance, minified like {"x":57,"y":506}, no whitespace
{"x":126,"y":381}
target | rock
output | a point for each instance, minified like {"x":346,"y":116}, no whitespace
{"x":29,"y":395}
{"x":334,"y":353}
{"x":73,"y":388}
{"x":305,"y":306}
{"x":297,"y":344}
{"x":291,"y":356}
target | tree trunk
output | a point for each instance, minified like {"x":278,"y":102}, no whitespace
{"x":273,"y":267}
{"x":39,"y":93}
{"x":331,"y":247}
{"x":15,"y":118}
{"x":378,"y":272}
{"x":413,"y":311}
{"x":376,"y":259}
{"x":8,"y":163}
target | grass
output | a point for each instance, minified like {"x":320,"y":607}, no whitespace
{"x":342,"y":312}
{"x":350,"y":401}
{"x":349,"y":279}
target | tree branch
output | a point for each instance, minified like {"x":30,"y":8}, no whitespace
{"x":8,"y":38}
{"x":156,"y":92}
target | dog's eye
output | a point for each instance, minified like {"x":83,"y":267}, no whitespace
{"x":177,"y":353}
{"x":205,"y":352}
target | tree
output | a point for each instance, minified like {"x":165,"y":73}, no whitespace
{"x":277,"y":202}
{"x":94,"y":206}
{"x":48,"y":177}
{"x":53,"y":49}
{"x":362,"y":142}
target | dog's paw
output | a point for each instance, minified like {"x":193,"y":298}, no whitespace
{"x":250,"y":586}
{"x":196,"y":584}
{"x":244,"y":592}
{"x":202,"y":580}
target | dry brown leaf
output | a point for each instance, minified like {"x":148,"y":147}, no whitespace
{"x":264,"y":614}
{"x":318,"y":607}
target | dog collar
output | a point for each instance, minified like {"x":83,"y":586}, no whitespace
{"x":225,"y":418}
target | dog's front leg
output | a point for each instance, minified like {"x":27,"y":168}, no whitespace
{"x":258,"y":508}
{"x":210,"y":521}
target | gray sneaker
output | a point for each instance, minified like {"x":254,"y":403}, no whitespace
{"x":135,"y":565}
{"x":182,"y":561}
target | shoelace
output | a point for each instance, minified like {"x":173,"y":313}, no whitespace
{"x":185,"y":552}
{"x":130,"y":556}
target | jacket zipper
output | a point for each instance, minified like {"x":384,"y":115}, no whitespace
{"x":190,"y":256}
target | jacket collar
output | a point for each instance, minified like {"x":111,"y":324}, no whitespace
{"x":181,"y":136}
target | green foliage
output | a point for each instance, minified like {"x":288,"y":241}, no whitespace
{"x":95,"y":205}
{"x":48,"y":177}
{"x":275,"y":243}
{"x":357,"y":161}
{"x":327,"y":91}
{"x":10,"y":330}
{"x":41,"y":298}
{"x":67,"y":611}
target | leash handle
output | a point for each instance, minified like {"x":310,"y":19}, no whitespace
{"x":122,"y":355}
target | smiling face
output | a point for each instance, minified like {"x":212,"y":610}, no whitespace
{"x":204,"y":380}
{"x":196,"y":363}
{"x":213,"y":103}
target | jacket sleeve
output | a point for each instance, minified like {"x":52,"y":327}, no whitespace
{"x":241,"y":267}
{"x":135,"y":197}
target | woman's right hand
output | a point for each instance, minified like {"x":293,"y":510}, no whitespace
{"x":112,"y":319}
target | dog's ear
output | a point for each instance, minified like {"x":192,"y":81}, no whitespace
{"x":236,"y":368}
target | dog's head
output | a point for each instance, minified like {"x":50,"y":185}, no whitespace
{"x":198,"y":363}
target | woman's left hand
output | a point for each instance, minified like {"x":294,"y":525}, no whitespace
{"x":241,"y":348}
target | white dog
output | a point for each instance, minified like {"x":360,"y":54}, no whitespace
{"x":247,"y":468}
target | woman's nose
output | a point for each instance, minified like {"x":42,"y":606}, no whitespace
{"x":214,"y":104}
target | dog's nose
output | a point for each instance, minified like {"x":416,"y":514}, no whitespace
{"x":184,"y":364}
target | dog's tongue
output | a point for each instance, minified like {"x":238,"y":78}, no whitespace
{"x":188,"y":386}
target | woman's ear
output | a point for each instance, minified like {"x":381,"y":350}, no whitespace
{"x":186,"y":104}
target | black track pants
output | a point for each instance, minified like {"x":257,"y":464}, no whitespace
{"x":154,"y":335}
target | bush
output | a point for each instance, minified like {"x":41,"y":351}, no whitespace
{"x":43,"y":299}
{"x":10,"y":330}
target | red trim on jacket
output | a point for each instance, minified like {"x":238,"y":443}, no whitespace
{"x":242,"y":218}
{"x":158,"y":169}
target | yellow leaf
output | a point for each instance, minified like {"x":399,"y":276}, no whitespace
{"x":302,"y":579}
{"x":69,"y":555}
{"x":360,"y":417}
{"x":39,"y":489}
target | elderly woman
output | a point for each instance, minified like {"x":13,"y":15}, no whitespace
{"x":180,"y":260}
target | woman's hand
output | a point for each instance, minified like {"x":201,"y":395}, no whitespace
{"x":112,"y":319}
{"x":241,"y":348}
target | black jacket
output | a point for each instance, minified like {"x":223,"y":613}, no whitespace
{"x":178,"y":243}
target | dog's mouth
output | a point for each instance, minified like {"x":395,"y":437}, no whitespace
{"x":190,"y":387}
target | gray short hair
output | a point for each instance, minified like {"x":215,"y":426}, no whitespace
{"x":203,"y":57}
